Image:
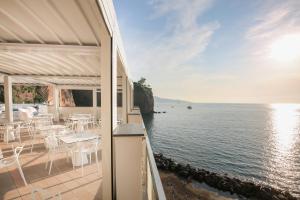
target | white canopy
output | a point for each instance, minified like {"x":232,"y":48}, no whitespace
{"x":51,"y":42}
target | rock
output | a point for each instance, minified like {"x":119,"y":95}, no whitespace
{"x":183,"y":173}
{"x":143,"y":98}
{"x":222,"y":182}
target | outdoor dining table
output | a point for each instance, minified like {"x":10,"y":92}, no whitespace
{"x":51,"y":127}
{"x":79,"y":121}
{"x":79,"y":118}
{"x":73,"y":140}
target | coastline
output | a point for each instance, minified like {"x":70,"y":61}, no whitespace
{"x":224,"y":183}
{"x":181,"y":189}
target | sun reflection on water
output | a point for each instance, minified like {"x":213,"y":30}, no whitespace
{"x":285,"y":122}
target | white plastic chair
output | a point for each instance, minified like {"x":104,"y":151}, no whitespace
{"x":18,"y":133}
{"x":81,"y":126}
{"x":28,"y":127}
{"x":14,"y":160}
{"x":93,"y":122}
{"x":93,"y":147}
{"x":69,"y":124}
{"x":84,"y":149}
{"x":36,"y":124}
{"x":43,"y":194}
{"x":53,"y":146}
{"x":9,"y":134}
{"x":99,"y":123}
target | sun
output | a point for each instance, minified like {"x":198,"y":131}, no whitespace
{"x":286,"y":48}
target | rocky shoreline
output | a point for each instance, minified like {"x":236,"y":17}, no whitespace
{"x":221,"y":182}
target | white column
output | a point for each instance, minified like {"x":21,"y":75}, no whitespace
{"x":114,"y":85}
{"x":8,"y":99}
{"x":108,"y":112}
{"x":94,"y":98}
{"x":128,"y":97}
{"x":124,"y":98}
{"x":95,"y":102}
{"x":132,"y":97}
{"x":56,"y":102}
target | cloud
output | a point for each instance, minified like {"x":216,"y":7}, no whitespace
{"x":186,"y":14}
{"x":274,"y":21}
{"x":181,"y":40}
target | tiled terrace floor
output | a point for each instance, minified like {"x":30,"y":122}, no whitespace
{"x":62,"y":179}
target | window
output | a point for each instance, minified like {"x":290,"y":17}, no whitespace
{"x":119,"y":99}
{"x":98,"y":99}
{"x":76,"y":98}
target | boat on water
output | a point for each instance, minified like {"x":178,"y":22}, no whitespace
{"x":189,"y":107}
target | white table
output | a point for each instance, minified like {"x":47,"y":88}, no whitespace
{"x":51,"y":127}
{"x":79,"y":137}
{"x":79,"y":118}
{"x":45,"y":130}
{"x":79,"y":122}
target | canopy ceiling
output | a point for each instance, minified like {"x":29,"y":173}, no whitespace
{"x":51,"y":41}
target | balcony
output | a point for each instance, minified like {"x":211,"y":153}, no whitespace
{"x":71,"y":184}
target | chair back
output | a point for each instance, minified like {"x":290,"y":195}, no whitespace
{"x":80,"y":126}
{"x":51,"y":142}
{"x":92,"y":144}
{"x":18,"y":129}
{"x":18,"y":150}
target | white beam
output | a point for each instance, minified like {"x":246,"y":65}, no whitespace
{"x":8,"y":99}
{"x":78,"y":87}
{"x":49,"y":48}
{"x":56,"y":76}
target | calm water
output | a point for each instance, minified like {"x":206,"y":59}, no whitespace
{"x":251,"y":141}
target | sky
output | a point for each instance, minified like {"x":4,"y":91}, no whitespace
{"x":218,"y":51}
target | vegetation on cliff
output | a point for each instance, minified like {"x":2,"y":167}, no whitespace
{"x":26,"y":94}
{"x":143,"y":96}
{"x":43,"y":94}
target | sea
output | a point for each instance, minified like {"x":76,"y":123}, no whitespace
{"x":257,"y":142}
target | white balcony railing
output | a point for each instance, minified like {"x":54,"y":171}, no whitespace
{"x":155,"y":190}
{"x":153,"y":185}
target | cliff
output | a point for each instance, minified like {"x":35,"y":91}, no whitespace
{"x":143,"y":97}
